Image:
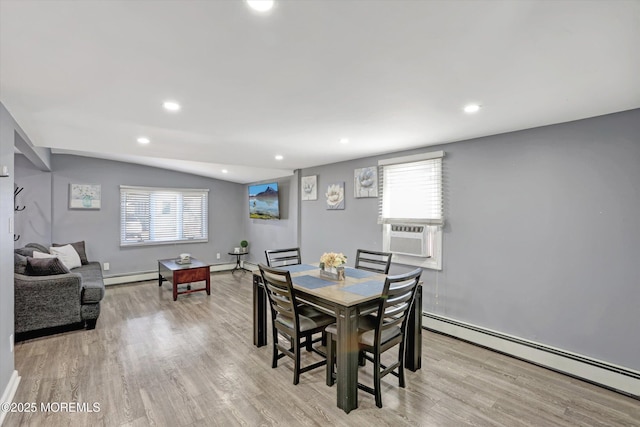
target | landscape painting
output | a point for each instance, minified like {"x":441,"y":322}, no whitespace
{"x":263,"y":201}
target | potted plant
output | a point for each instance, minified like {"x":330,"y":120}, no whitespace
{"x":244,"y":244}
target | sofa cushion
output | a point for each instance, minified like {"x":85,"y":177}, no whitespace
{"x":45,"y":266}
{"x":67,"y":254}
{"x":79,"y":247}
{"x":19,"y":264}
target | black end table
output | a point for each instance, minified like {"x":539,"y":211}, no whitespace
{"x":239,"y":266}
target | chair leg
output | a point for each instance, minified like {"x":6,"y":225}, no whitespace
{"x":401,"y":366}
{"x":274,"y":361}
{"x":331,"y":359}
{"x":309,"y":342}
{"x":376,"y":379}
{"x":296,"y":367}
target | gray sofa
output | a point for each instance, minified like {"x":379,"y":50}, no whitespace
{"x":50,"y":301}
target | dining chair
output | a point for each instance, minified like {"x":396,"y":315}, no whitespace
{"x":378,"y":262}
{"x":282,"y":257}
{"x":381,"y":331}
{"x":292,"y":320}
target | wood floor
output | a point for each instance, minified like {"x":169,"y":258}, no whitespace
{"x":155,"y":362}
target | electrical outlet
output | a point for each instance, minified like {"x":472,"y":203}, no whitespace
{"x":217,"y":256}
{"x":11,"y":343}
{"x":106,"y":266}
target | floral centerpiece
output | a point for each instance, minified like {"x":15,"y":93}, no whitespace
{"x":331,"y":265}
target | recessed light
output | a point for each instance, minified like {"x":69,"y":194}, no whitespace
{"x":225,"y":171}
{"x":144,"y":140}
{"x":171,"y":106}
{"x":260,"y":5}
{"x":279,"y":157}
{"x":471,"y":108}
{"x":344,"y":140}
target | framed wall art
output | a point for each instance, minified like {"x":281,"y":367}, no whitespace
{"x":335,"y":196}
{"x":309,"y":187}
{"x":84,"y":196}
{"x":365,"y":182}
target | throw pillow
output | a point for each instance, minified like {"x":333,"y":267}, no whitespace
{"x":38,"y":254}
{"x":79,"y":247}
{"x":19,"y":264}
{"x":45,"y":266}
{"x":67,"y":255}
{"x":37,"y":247}
{"x":25,"y":251}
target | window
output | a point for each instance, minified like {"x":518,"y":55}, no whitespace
{"x":410,"y":208}
{"x":152,"y":216}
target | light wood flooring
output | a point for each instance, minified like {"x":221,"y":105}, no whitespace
{"x":155,"y":362}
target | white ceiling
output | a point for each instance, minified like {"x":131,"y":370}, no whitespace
{"x":89,"y":77}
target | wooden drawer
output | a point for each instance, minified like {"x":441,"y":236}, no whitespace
{"x":192,"y":275}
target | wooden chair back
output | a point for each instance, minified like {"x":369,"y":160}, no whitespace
{"x":280,"y":293}
{"x":398,"y":296}
{"x":378,"y":262}
{"x":282,"y":257}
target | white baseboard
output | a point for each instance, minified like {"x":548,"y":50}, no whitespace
{"x":9,"y":392}
{"x":152,"y":275}
{"x":615,"y":377}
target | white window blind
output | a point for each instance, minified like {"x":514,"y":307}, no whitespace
{"x":162,"y":215}
{"x":411,"y":189}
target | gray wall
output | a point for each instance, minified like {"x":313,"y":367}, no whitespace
{"x":542,"y":239}
{"x":269,"y":234}
{"x":100,"y":228}
{"x":34,"y":223}
{"x":347,"y":230}
{"x":7,"y":131}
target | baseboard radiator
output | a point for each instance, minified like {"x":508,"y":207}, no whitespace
{"x":142,"y":276}
{"x":617,"y":378}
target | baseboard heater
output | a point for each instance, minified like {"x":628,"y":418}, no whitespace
{"x":143,"y":276}
{"x":617,"y":378}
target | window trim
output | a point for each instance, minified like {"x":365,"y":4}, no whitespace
{"x":182,"y":192}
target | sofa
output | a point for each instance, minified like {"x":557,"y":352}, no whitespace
{"x":57,"y":298}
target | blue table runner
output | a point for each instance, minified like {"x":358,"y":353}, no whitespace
{"x":311,"y":282}
{"x":297,"y":268}
{"x":366,"y":289}
{"x":357,"y":274}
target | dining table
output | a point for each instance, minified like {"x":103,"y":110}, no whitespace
{"x":347,"y":299}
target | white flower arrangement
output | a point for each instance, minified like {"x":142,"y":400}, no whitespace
{"x":333,"y":259}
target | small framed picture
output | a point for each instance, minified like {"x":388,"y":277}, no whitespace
{"x":335,"y":196}
{"x":365,"y":182}
{"x":309,"y":187}
{"x":84,"y":196}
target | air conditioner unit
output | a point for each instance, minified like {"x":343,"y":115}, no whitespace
{"x":407,"y":239}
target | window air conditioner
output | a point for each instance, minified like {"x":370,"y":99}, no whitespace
{"x":407,"y":239}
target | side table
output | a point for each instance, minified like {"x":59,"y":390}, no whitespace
{"x":239,"y":266}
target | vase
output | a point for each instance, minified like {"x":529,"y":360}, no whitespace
{"x":332,"y":273}
{"x":86,"y":201}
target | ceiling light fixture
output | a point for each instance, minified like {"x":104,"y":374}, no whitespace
{"x":225,"y":171}
{"x":344,"y":140}
{"x":144,"y":140}
{"x":171,"y":106}
{"x":471,"y":108}
{"x":279,"y":157}
{"x":261,"y":5}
